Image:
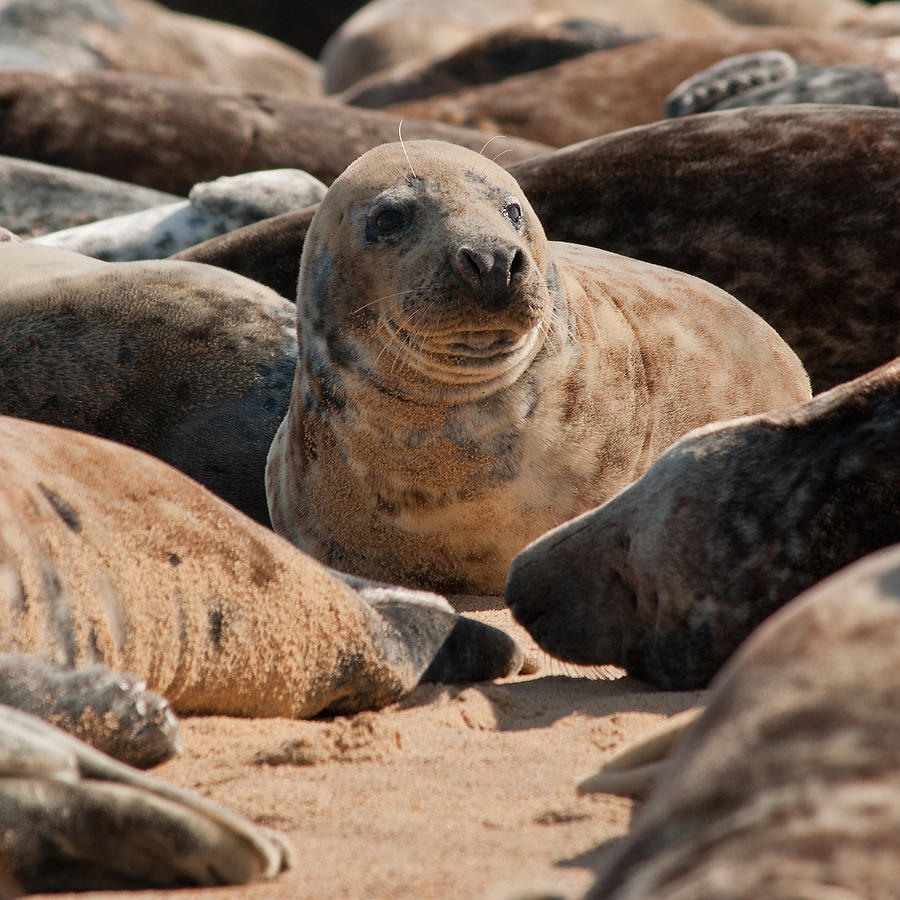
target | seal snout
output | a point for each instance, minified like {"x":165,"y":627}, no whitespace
{"x":494,"y":273}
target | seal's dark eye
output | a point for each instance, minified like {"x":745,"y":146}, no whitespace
{"x":389,"y":220}
{"x":513,"y":212}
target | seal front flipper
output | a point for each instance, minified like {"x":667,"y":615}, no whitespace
{"x":75,"y":819}
{"x":112,"y":712}
{"x":424,"y":641}
{"x":726,"y":79}
{"x":634,"y":771}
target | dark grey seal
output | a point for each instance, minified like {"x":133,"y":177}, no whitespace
{"x":732,"y":522}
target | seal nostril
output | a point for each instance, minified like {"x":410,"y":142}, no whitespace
{"x":470,"y":266}
{"x":516,"y":268}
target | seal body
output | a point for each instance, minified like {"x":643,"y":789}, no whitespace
{"x":787,"y":786}
{"x":464,"y":384}
{"x":670,"y":576}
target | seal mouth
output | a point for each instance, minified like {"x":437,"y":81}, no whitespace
{"x":469,"y":356}
{"x":480,"y":344}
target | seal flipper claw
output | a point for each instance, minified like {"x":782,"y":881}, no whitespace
{"x":726,"y":79}
{"x":111,"y":711}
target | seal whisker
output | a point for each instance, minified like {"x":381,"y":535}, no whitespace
{"x":490,"y":140}
{"x":403,"y":147}
{"x":353,"y":312}
{"x":494,"y":159}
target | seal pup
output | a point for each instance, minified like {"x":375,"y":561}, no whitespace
{"x":37,"y":198}
{"x":787,"y":786}
{"x":169,"y":134}
{"x":212,"y":208}
{"x":188,"y":362}
{"x":111,"y":557}
{"x":773,"y":77}
{"x":74,"y":819}
{"x":736,"y":519}
{"x":464,"y":384}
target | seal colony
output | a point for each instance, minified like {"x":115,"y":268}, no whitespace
{"x":464,"y":385}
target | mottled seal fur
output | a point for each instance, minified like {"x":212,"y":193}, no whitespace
{"x":734,"y":198}
{"x":464,"y":384}
{"x":190,"y":363}
{"x":74,"y":819}
{"x":212,"y":208}
{"x":735,"y":520}
{"x":772,"y":77}
{"x":111,"y":556}
{"x":37,"y":198}
{"x":788,"y":785}
{"x":169,"y":134}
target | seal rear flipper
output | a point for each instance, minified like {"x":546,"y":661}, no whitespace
{"x":83,"y":821}
{"x":447,"y":647}
{"x":111,"y":711}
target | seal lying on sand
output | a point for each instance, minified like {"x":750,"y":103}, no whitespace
{"x":464,"y":384}
{"x":110,"y":556}
{"x":212,"y":208}
{"x":74,"y":819}
{"x":788,"y":784}
{"x":188,"y":362}
{"x":730,"y":524}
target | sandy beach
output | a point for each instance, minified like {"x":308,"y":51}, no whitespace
{"x":458,"y":791}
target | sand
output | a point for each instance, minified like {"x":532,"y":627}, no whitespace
{"x":459,"y":791}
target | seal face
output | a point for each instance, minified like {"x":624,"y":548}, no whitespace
{"x":464,"y":384}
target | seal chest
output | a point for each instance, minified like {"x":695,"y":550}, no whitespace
{"x":464,"y":385}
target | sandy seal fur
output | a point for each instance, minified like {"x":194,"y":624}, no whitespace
{"x":464,"y":384}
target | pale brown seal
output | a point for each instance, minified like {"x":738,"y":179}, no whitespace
{"x":464,"y":384}
{"x":579,"y":99}
{"x":387,"y":32}
{"x":787,"y":787}
{"x":735,"y":520}
{"x":142,"y":36}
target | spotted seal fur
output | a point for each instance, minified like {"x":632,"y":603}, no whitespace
{"x":109,"y":556}
{"x":464,"y":384}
